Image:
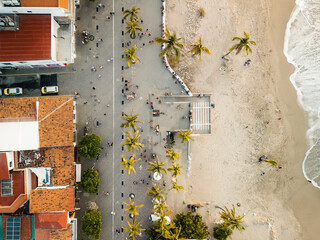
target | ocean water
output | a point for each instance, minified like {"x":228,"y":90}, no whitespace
{"x":302,"y":49}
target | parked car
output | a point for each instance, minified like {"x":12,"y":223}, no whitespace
{"x":0,"y":91}
{"x":49,"y":90}
{"x":12,"y":91}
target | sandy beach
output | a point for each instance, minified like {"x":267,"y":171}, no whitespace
{"x":246,"y":122}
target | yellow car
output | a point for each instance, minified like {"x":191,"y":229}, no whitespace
{"x":12,"y":91}
{"x":49,"y":90}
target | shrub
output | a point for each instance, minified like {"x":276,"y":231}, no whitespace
{"x":91,"y":224}
{"x":201,"y":12}
{"x":191,"y":225}
{"x":89,"y":146}
{"x":221,"y":231}
{"x":90,"y":181}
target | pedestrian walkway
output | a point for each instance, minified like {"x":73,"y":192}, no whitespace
{"x":201,"y":117}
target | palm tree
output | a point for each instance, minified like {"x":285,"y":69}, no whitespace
{"x":172,"y":155}
{"x":132,"y":28}
{"x":164,"y":227}
{"x":185,"y":135}
{"x":133,"y":228}
{"x":243,"y":43}
{"x":131,"y":13}
{"x":176,"y":187}
{"x":130,"y":55}
{"x":198,"y":48}
{"x":130,"y":120}
{"x":159,"y":206}
{"x":231,"y":220}
{"x":128,"y":164}
{"x":156,"y":191}
{"x":157,"y":166}
{"x":172,"y":44}
{"x":272,"y":162}
{"x":132,"y":141}
{"x":175,"y":169}
{"x":132,"y":208}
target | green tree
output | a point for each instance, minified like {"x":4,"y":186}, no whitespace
{"x":157,"y":166}
{"x":243,"y":43}
{"x":132,"y":28}
{"x":176,"y":187}
{"x":91,"y":224}
{"x":221,"y":231}
{"x":133,"y":228}
{"x":185,"y":135}
{"x":197,"y":48}
{"x":171,"y":232}
{"x":132,"y":142}
{"x":159,"y":206}
{"x":175,"y":169}
{"x":128,"y":164}
{"x":89,"y":146}
{"x":172,"y":43}
{"x":192,"y":226}
{"x":156,"y":191}
{"x":90,"y":181}
{"x":131,"y":13}
{"x":231,"y":220}
{"x":172,"y":155}
{"x":130,"y":120}
{"x":131,"y":55}
{"x":132,"y":208}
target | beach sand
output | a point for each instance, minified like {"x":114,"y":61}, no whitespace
{"x":246,"y":123}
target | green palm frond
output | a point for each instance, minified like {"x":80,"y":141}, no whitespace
{"x":185,"y":135}
{"x":230,"y":219}
{"x":197,"y":48}
{"x":172,"y":155}
{"x":132,"y":28}
{"x":157,"y":166}
{"x":243,"y":43}
{"x":130,"y":55}
{"x":128,"y":164}
{"x":131,"y":13}
{"x":175,"y":169}
{"x":176,"y":187}
{"x":133,"y":228}
{"x":172,"y":43}
{"x":132,"y":208}
{"x":132,"y":141}
{"x":130,"y":120}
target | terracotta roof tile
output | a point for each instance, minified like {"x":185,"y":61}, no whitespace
{"x":22,"y":108}
{"x":51,"y":220}
{"x":61,"y":159}
{"x":56,"y":121}
{"x":61,"y":234}
{"x":4,"y":172}
{"x":45,"y":3}
{"x":52,"y":200}
{"x":31,"y":42}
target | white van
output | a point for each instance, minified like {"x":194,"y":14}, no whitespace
{"x":49,"y":90}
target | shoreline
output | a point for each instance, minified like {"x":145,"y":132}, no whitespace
{"x":245,"y":123}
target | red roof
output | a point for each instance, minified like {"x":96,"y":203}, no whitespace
{"x":51,"y":220}
{"x":31,"y":42}
{"x":4,"y":173}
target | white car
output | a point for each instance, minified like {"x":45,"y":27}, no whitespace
{"x":12,"y":91}
{"x":49,"y":90}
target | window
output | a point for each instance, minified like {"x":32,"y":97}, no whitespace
{"x":10,"y":164}
{"x":6,"y":187}
{"x":7,"y":64}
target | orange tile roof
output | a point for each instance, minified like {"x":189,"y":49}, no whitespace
{"x":43,"y":234}
{"x":56,"y":121}
{"x":22,"y":108}
{"x":52,"y":200}
{"x":61,"y":159}
{"x":4,"y":173}
{"x":31,"y":42}
{"x":51,"y":220}
{"x":61,"y":234}
{"x":45,"y":3}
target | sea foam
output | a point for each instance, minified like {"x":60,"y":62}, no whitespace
{"x":302,"y":49}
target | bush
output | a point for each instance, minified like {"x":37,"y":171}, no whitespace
{"x":90,"y":181}
{"x":91,"y":224}
{"x":221,"y":231}
{"x":191,"y":225}
{"x":201,"y":12}
{"x":89,"y":146}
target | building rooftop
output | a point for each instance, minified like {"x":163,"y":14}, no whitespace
{"x":59,"y":234}
{"x":62,"y":161}
{"x":24,"y":109}
{"x":51,"y":220}
{"x":52,"y":200}
{"x":4,"y":173}
{"x":25,"y":233}
{"x":31,"y":42}
{"x":56,"y":121}
{"x":45,"y":3}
